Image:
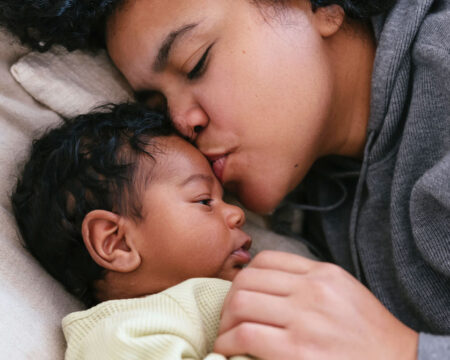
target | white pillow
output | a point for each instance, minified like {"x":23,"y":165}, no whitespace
{"x":71,"y":83}
{"x":31,"y":302}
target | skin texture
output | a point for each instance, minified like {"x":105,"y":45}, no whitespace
{"x":279,"y":89}
{"x":187,"y":229}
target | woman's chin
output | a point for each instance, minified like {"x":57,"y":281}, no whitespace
{"x":257,"y":202}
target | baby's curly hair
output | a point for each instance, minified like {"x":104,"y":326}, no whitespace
{"x":80,"y":24}
{"x":90,"y":162}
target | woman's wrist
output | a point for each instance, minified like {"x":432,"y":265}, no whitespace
{"x":408,"y":347}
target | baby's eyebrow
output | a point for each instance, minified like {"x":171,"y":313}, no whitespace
{"x":198,"y":177}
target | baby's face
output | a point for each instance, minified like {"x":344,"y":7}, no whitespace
{"x":187,"y":229}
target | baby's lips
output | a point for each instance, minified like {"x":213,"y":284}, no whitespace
{"x":248,"y":244}
{"x":241,"y":254}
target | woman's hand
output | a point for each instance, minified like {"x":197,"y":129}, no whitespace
{"x":283,"y":306}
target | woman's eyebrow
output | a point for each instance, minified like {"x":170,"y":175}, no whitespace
{"x":166,"y":46}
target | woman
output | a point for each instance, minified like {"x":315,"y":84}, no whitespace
{"x":276,"y":93}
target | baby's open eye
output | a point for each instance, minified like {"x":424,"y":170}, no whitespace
{"x":206,"y":202}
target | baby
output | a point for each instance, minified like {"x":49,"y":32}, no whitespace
{"x":122,"y":211}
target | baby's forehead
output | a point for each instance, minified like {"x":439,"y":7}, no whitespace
{"x":175,"y":159}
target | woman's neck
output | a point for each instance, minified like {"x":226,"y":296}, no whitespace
{"x":353,"y":53}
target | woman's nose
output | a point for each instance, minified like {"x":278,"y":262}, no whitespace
{"x":190,"y":121}
{"x":235,"y":216}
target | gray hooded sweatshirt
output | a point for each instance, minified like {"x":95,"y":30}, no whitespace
{"x":387,"y":219}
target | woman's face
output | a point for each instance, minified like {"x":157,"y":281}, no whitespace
{"x":250,"y":86}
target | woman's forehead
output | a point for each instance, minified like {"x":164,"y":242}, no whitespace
{"x":162,"y":15}
{"x":142,"y":32}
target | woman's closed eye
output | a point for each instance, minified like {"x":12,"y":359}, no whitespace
{"x":200,"y":67}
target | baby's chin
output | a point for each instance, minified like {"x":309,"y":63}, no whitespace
{"x":235,"y":262}
{"x":230,"y":273}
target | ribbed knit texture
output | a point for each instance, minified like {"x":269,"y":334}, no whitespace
{"x":178,"y":323}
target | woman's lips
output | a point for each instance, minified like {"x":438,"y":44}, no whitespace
{"x":218,"y":166}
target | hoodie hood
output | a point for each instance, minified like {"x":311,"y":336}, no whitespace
{"x":395,"y":33}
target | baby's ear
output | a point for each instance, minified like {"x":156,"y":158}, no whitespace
{"x":106,"y":240}
{"x":329,"y":19}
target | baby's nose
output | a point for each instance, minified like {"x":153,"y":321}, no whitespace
{"x":236,"y":216}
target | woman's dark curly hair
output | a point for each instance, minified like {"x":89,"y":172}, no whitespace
{"x":80,"y":24}
{"x":75,"y":24}
{"x":90,"y":162}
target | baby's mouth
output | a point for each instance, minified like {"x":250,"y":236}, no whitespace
{"x":242,"y":255}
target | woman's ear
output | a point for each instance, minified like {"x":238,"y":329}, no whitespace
{"x":105,"y":238}
{"x":329,"y":19}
